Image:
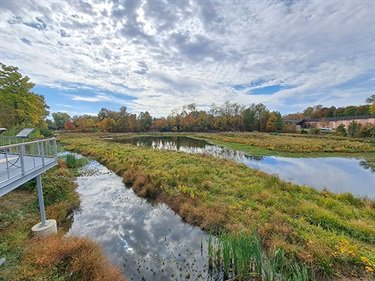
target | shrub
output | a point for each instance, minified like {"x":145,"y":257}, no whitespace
{"x":354,"y":129}
{"x":368,"y":131}
{"x":74,"y":162}
{"x":315,"y":131}
{"x":46,"y":132}
{"x":341,"y":131}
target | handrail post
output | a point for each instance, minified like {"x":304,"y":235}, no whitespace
{"x":41,"y":200}
{"x":55,"y":147}
{"x":7,"y":163}
{"x":22,"y":153}
{"x":42,"y":151}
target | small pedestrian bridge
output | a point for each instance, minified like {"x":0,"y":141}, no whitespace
{"x":21,"y":161}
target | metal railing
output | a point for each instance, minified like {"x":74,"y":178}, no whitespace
{"x":17,"y":160}
{"x":8,"y":140}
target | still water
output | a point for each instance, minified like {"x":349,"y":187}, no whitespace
{"x":332,"y":173}
{"x":149,"y":241}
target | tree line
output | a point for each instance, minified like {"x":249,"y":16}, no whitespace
{"x":226,"y":117}
{"x":320,"y":111}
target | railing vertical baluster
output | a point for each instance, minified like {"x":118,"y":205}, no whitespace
{"x":22,"y":154}
{"x":33,"y":152}
{"x":41,"y":143}
{"x":6,"y":161}
{"x":55,"y":148}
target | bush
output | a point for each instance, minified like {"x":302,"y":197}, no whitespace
{"x":46,"y":132}
{"x":74,"y":162}
{"x":304,"y":132}
{"x":341,"y":131}
{"x":58,"y":186}
{"x":315,"y":131}
{"x":354,"y":129}
{"x":368,"y":131}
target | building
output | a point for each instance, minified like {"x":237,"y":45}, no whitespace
{"x":333,"y":122}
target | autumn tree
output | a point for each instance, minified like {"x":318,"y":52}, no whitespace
{"x":19,"y":105}
{"x":107,"y":124}
{"x":59,"y":119}
{"x":274,"y":122}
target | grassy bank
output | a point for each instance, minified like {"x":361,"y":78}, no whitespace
{"x":55,"y":257}
{"x":332,"y":234}
{"x":287,"y":144}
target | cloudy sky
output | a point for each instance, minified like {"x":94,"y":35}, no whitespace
{"x":159,"y":55}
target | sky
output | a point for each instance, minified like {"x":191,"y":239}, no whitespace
{"x":159,"y":55}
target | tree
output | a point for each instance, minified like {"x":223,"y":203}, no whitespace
{"x":262,"y":114}
{"x":145,"y":121}
{"x":19,"y":105}
{"x":271,"y":123}
{"x":59,"y":119}
{"x":122,"y":120}
{"x":107,"y":124}
{"x":372,"y":108}
{"x":249,"y":118}
{"x":68,"y":125}
{"x":274,"y":122}
{"x":308,"y":112}
{"x":371,"y":99}
{"x":354,"y":129}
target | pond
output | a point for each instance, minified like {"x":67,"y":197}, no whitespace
{"x":332,"y":173}
{"x":149,"y":241}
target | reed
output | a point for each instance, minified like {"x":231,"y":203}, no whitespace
{"x":241,"y":257}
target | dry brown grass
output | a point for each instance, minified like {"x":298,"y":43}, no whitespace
{"x":68,"y":258}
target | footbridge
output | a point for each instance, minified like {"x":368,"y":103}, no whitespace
{"x":23,"y":161}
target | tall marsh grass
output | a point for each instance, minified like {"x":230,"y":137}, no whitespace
{"x":241,"y":257}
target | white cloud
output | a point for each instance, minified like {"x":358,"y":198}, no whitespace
{"x":170,"y":53}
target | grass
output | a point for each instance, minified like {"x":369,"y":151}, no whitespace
{"x":73,"y":256}
{"x":241,"y":256}
{"x":220,"y":195}
{"x":66,"y":258}
{"x":73,"y":162}
{"x":266,"y":144}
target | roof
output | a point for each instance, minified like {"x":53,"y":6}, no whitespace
{"x":336,"y":118}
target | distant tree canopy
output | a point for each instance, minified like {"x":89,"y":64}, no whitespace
{"x":319,"y":111}
{"x":371,"y":100}
{"x":19,"y":105}
{"x":59,"y":119}
{"x":227,"y":117}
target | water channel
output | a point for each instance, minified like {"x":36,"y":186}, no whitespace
{"x":150,"y":242}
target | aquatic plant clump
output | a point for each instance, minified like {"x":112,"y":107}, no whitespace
{"x":241,"y":257}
